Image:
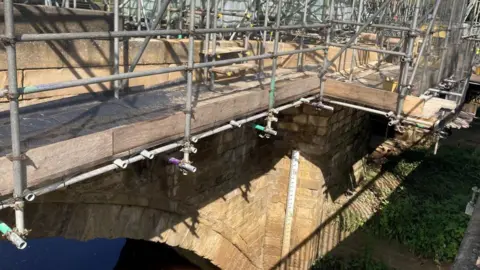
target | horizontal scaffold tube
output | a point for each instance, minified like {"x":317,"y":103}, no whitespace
{"x":129,"y":75}
{"x":147,"y":33}
{"x":122,"y":164}
{"x":361,"y":48}
{"x":384,"y":26}
{"x":116,"y":163}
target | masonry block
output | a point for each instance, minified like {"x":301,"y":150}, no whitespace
{"x":322,"y":131}
{"x":319,"y":121}
{"x":300,"y":119}
{"x":288,"y":126}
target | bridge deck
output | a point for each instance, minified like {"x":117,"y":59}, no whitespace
{"x":64,"y":136}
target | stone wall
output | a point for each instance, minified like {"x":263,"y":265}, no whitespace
{"x":36,"y":19}
{"x":332,"y":147}
{"x":58,"y":61}
{"x":231,"y":211}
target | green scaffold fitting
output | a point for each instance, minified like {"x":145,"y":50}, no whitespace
{"x":271,"y":94}
{"x":259,"y":127}
{"x":4,"y":228}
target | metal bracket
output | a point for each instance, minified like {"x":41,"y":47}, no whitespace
{"x":13,"y":158}
{"x":191,"y":111}
{"x":399,"y":127}
{"x":188,"y":148}
{"x":406,"y":59}
{"x":271,"y":118}
{"x":394,"y":122}
{"x":235,"y":123}
{"x":19,"y":204}
{"x":413,"y":33}
{"x":408,"y":86}
{"x":319,"y":105}
{"x":9,"y":96}
{"x":6,"y":41}
{"x":321,"y":74}
{"x":300,"y":102}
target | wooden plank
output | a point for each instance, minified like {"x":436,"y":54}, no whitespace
{"x":207,"y":114}
{"x":475,"y":78}
{"x":59,"y":159}
{"x":375,"y":98}
{"x":433,"y":105}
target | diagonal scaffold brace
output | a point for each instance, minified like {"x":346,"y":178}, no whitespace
{"x":328,"y":62}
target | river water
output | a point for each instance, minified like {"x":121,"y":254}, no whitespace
{"x":59,"y":254}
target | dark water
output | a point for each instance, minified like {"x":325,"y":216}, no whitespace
{"x":59,"y":253}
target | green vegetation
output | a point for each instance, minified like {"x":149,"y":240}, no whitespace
{"x":351,"y":220}
{"x":359,"y":262}
{"x":426,"y":213}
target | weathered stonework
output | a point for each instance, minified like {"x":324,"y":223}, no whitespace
{"x":231,"y":211}
{"x":331,"y":145}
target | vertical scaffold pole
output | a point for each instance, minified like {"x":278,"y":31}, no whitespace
{"x":116,"y":47}
{"x":180,"y":17}
{"x":16,"y":157}
{"x":300,"y":56}
{"x":139,"y":16}
{"x":169,"y":19}
{"x":325,"y":51}
{"x":459,"y":40}
{"x":187,"y":148}
{"x":426,"y":41}
{"x":206,"y":45}
{"x":445,"y":48}
{"x":403,"y":87}
{"x":271,"y":95}
{"x":264,"y":40}
{"x":222,"y":8}
{"x":214,"y":43}
{"x":353,"y":62}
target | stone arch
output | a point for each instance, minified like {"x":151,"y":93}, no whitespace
{"x":208,"y":239}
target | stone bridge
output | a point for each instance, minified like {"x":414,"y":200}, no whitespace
{"x":232,"y":211}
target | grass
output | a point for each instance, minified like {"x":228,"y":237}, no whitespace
{"x":358,"y":262}
{"x":426,"y":213}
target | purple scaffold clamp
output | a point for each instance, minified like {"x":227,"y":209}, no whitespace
{"x":184,"y":166}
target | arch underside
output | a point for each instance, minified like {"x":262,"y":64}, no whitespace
{"x":210,"y":240}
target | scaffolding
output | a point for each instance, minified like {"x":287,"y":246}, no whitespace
{"x":433,"y":45}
